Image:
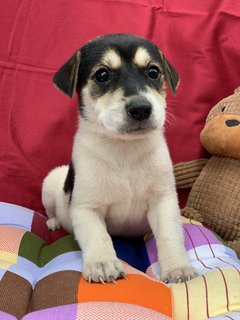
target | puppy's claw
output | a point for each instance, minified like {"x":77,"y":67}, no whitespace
{"x":189,"y":278}
{"x":102,"y":270}
{"x":111,"y":278}
{"x":179,"y":275}
{"x":180,"y":280}
{"x":123,"y":275}
{"x":89,"y":279}
{"x":101,"y":279}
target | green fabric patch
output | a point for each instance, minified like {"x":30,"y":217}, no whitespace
{"x":40,"y":253}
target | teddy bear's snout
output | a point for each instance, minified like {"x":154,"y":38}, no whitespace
{"x":232,"y":122}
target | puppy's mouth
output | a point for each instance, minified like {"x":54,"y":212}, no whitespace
{"x":138,"y":127}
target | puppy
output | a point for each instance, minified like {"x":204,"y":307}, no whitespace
{"x":120,"y":180}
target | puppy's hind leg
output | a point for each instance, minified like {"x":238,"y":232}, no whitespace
{"x":52,"y":186}
{"x":53,"y":224}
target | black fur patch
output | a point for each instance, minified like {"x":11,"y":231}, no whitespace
{"x":78,"y":70}
{"x":69,"y":182}
{"x":130,"y":78}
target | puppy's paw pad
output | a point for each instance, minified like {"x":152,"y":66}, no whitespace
{"x":103,"y":271}
{"x":53,"y":224}
{"x":179,"y":275}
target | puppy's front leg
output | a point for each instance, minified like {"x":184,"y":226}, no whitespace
{"x":165,"y":221}
{"x":100,"y":262}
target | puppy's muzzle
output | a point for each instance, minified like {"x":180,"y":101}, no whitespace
{"x":139,"y":109}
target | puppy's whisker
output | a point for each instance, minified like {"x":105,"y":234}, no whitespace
{"x":170,"y":121}
{"x":179,"y":102}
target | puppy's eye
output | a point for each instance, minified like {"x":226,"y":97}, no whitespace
{"x":102,"y":75}
{"x":153,"y":72}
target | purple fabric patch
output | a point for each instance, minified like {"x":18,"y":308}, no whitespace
{"x":68,"y":312}
{"x":6,"y":316}
{"x":151,"y":250}
{"x":194,"y":236}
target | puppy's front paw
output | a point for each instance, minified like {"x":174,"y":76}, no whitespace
{"x":179,"y":275}
{"x":104,"y":270}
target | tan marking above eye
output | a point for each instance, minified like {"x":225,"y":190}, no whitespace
{"x":142,"y":58}
{"x":155,"y":92}
{"x":111,"y":59}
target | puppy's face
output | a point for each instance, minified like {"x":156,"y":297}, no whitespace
{"x":120,"y":81}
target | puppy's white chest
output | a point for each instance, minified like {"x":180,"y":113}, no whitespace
{"x":127,"y":218}
{"x":119,"y":180}
{"x":126,"y":215}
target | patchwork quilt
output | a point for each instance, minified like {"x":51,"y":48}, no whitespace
{"x":40,"y":276}
{"x":40,"y":271}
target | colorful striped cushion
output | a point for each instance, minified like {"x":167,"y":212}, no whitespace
{"x":41,"y":279}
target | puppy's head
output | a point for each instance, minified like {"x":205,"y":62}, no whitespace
{"x":120,"y":82}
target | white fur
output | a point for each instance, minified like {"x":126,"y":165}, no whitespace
{"x":111,"y":119}
{"x":120,"y":186}
{"x":123,"y":184}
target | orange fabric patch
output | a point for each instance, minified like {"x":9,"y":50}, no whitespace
{"x":137,"y":289}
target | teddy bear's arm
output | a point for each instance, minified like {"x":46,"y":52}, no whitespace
{"x":187,"y":172}
{"x":235,"y":245}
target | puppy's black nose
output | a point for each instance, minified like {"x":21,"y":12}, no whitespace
{"x":232,"y":123}
{"x":139,"y":109}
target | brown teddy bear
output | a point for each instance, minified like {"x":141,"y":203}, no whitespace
{"x":214,"y":198}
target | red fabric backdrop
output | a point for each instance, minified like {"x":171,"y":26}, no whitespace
{"x":37,"y":123}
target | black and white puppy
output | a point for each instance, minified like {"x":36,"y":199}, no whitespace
{"x":120,"y":180}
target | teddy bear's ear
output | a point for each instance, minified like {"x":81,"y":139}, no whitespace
{"x":171,"y":74}
{"x":227,"y":105}
{"x":237,"y":90}
{"x":220,"y":135}
{"x":65,"y":79}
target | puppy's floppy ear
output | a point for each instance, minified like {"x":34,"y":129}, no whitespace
{"x":171,"y":75}
{"x":65,"y":79}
